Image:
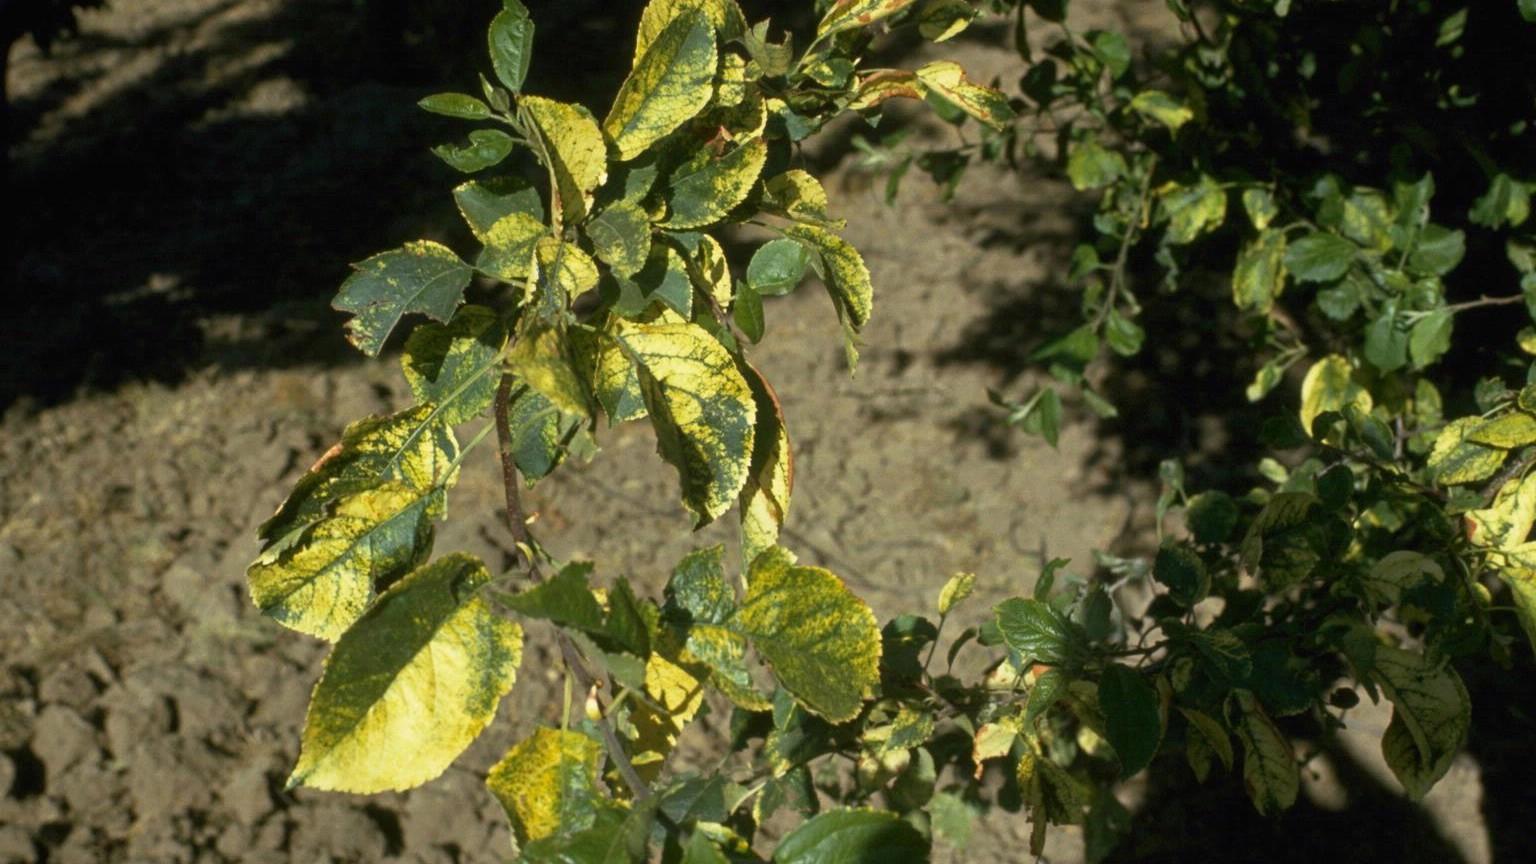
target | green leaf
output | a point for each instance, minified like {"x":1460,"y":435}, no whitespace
{"x":1259,"y":276}
{"x":1091,"y":166}
{"x":669,"y":84}
{"x":1183,"y":572}
{"x":564,"y":599}
{"x":578,"y":156}
{"x":1431,"y":716}
{"x":1133,"y":722}
{"x":1430,"y":338}
{"x":1455,"y":460}
{"x":1259,"y":202}
{"x":456,"y":105}
{"x":1286,"y":540}
{"x":1527,"y":9}
{"x":1123,"y":335}
{"x":1163,"y":108}
{"x":621,"y":237}
{"x":1211,"y":516}
{"x":421,"y":277}
{"x":843,"y":270}
{"x":1386,"y":343}
{"x":486,"y":147}
{"x":1319,"y":257}
{"x":1040,"y":633}
{"x":853,"y":837}
{"x":410,"y":685}
{"x":747,"y":312}
{"x":664,"y":279}
{"x":701,"y":408}
{"x":849,"y":14}
{"x":778,"y":266}
{"x":821,"y":639}
{"x":449,"y":365}
{"x":485,"y":202}
{"x":700,"y":850}
{"x":511,"y":43}
{"x":1438,"y":251}
{"x":1507,"y":201}
{"x":947,"y":80}
{"x":547,"y":783}
{"x":764,"y":500}
{"x":705,"y":188}
{"x":1270,"y":772}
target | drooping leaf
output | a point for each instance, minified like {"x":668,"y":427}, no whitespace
{"x":451,"y":366}
{"x":540,"y":432}
{"x":1133,"y":721}
{"x":947,"y":80}
{"x":1183,"y":572}
{"x":413,"y":446}
{"x":544,"y":360}
{"x":547,"y":783}
{"x":1399,"y":570}
{"x":419,"y":277}
{"x":843,"y":271}
{"x":663,"y":279}
{"x":486,"y":147}
{"x":614,"y":379}
{"x":724,"y":652}
{"x":1193,"y":210}
{"x":1211,"y":516}
{"x":1431,"y":716}
{"x":764,"y":500}
{"x":670,"y":83}
{"x":1507,"y":521}
{"x":485,"y":201}
{"x":701,"y":408}
{"x":1259,"y":275}
{"x":1259,"y":202}
{"x":410,"y":685}
{"x":565,"y":272}
{"x":577,"y":153}
{"x":511,"y":44}
{"x":1090,"y":165}
{"x":853,"y":837}
{"x":848,"y":14}
{"x":621,"y":237}
{"x":698,"y":591}
{"x":1210,"y":730}
{"x":705,"y":188}
{"x":1286,"y":541}
{"x":821,"y":639}
{"x":564,"y":599}
{"x":1270,"y":772}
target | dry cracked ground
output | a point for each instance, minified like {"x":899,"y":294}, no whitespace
{"x":195,"y":173}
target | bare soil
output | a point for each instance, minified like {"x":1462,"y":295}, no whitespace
{"x":193,"y":176}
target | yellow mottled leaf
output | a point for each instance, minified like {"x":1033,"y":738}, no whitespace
{"x":509,"y":245}
{"x":842,"y":270}
{"x":1455,"y":460}
{"x":1270,"y":772}
{"x":547,"y":783}
{"x":578,"y":156}
{"x":1330,"y":386}
{"x":725,"y":653}
{"x":322,"y":583}
{"x":821,"y":639}
{"x":710,"y":271}
{"x":1507,"y":521}
{"x":955,"y":591}
{"x":995,"y":740}
{"x":543,"y":360}
{"x":451,"y":365}
{"x":731,"y":88}
{"x":1515,"y":429}
{"x":1259,"y":275}
{"x":765,"y":498}
{"x":724,"y":15}
{"x":613,"y":377}
{"x":876,"y":87}
{"x":1517,"y":567}
{"x":410,"y":685}
{"x":1163,"y":108}
{"x":848,"y":14}
{"x":797,"y":195}
{"x":565,"y":272}
{"x":701,"y":408}
{"x":671,"y":82}
{"x":675,"y":696}
{"x":947,"y":80}
{"x":1431,"y":716}
{"x":705,"y":188}
{"x":941,"y":20}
